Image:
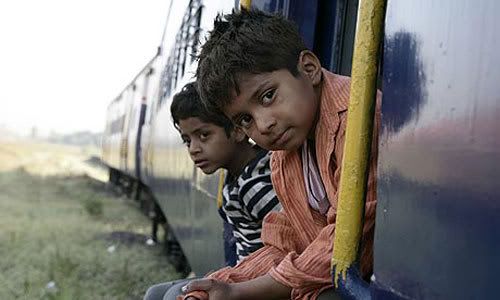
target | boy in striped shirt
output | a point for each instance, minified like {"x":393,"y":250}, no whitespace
{"x":214,"y":143}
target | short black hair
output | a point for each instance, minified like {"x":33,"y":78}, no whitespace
{"x":187,"y":104}
{"x":245,"y":42}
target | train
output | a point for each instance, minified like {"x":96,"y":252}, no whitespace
{"x":438,"y":217}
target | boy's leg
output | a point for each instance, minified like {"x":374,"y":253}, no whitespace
{"x":158,"y":291}
{"x":175,"y":290}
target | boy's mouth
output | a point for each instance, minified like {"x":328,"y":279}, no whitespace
{"x":200,"y":163}
{"x":283,"y":138}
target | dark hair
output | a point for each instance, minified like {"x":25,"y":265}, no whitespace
{"x":187,"y":104}
{"x":245,"y":42}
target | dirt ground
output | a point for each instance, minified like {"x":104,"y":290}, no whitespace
{"x":59,"y":223}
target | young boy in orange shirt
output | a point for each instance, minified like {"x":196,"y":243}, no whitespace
{"x":256,"y":69}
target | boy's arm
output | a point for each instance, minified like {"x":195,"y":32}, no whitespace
{"x":264,"y":287}
{"x":254,"y":266}
{"x":279,"y":239}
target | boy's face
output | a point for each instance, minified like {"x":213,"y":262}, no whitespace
{"x":276,"y":109}
{"x":208,"y":145}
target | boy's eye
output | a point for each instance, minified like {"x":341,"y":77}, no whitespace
{"x":186,"y":142}
{"x":204,"y":136}
{"x":244,"y":121}
{"x":267,"y":98}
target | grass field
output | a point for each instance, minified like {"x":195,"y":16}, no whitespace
{"x":58,"y":230}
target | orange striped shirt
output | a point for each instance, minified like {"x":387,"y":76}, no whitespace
{"x":299,"y":240}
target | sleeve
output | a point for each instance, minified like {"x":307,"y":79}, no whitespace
{"x":309,"y":273}
{"x":275,"y":229}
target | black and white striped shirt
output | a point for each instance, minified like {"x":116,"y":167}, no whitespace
{"x":247,"y":200}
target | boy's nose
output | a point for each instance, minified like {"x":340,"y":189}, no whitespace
{"x":265,"y":125}
{"x":194,"y":148}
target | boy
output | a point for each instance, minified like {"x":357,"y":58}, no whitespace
{"x":257,"y":70}
{"x":214,"y":143}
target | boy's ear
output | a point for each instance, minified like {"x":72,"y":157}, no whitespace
{"x":238,"y":135}
{"x":310,"y":66}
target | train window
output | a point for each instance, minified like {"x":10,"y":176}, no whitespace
{"x":334,"y":41}
{"x":344,"y":43}
{"x":117,"y":125}
{"x":186,"y":46}
{"x":272,"y":6}
{"x":133,"y":117}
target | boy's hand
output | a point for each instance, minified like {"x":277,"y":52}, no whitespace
{"x":263,"y":287}
{"x":216,"y":290}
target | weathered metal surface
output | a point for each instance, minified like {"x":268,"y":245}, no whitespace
{"x":438,"y":216}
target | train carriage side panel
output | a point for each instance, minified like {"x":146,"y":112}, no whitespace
{"x":151,"y":94}
{"x":133,"y":126}
{"x":105,"y":140}
{"x":138,"y":109}
{"x":438,"y":217}
{"x":128,"y":98}
{"x":115,"y":117}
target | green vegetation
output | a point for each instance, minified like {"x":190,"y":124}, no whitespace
{"x":56,"y":242}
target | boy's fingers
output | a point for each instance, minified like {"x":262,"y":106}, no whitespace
{"x":198,"y":285}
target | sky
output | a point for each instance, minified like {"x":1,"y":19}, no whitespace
{"x":63,"y":61}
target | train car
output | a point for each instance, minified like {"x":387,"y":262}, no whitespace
{"x":122,"y":139}
{"x":437,"y":227}
{"x":150,"y":100}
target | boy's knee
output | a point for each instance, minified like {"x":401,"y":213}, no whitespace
{"x":157,"y":291}
{"x":175,"y":290}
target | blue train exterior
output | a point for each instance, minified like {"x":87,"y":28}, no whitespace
{"x":438,"y":217}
